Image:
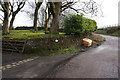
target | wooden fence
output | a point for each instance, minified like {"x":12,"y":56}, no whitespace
{"x":13,"y":46}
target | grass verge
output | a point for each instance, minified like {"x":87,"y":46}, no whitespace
{"x":57,"y":52}
{"x":97,"y":40}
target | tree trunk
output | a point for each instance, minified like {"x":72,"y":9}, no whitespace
{"x":36,"y":15}
{"x":5,"y":24}
{"x":47,"y":19}
{"x":15,"y":12}
{"x":55,"y":24}
{"x":11,"y":22}
{"x":35,"y":19}
{"x":6,"y":19}
{"x":46,"y":23}
{"x":55,"y":21}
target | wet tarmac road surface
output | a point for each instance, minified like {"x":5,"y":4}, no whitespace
{"x":100,"y":62}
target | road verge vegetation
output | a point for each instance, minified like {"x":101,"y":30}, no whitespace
{"x":42,"y":43}
{"x":111,"y":31}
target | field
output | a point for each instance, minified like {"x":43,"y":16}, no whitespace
{"x":27,"y":34}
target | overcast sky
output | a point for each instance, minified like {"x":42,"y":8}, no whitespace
{"x":108,"y":7}
{"x":110,"y":13}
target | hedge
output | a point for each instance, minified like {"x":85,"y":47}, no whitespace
{"x":77,"y":24}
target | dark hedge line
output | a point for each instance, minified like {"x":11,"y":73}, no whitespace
{"x":28,"y":28}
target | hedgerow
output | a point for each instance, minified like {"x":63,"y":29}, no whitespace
{"x":77,"y":24}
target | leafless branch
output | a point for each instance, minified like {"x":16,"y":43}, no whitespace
{"x":1,"y":16}
{"x":1,"y":19}
{"x":87,"y":7}
{"x":2,"y":10}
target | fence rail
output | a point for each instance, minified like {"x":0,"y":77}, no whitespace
{"x":13,"y":46}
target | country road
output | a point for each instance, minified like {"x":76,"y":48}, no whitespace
{"x":100,"y":62}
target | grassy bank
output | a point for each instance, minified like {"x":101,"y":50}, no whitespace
{"x":46,"y":45}
{"x":26,"y":34}
{"x":111,"y":31}
{"x":97,"y":40}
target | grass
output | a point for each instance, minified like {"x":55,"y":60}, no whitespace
{"x":97,"y":40}
{"x":54,"y":53}
{"x":51,"y":53}
{"x":116,"y":34}
{"x":27,"y":34}
{"x":101,"y":32}
{"x":66,"y":51}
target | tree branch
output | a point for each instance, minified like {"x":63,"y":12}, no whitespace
{"x":1,"y":16}
{"x":2,"y":10}
{"x":1,"y":19}
{"x":67,"y":4}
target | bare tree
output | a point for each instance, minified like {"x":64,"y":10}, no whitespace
{"x":56,"y":8}
{"x":38,"y":4}
{"x":41,"y":18}
{"x":30,"y":12}
{"x":1,"y":16}
{"x":33,"y":12}
{"x":15,"y":7}
{"x":5,"y":10}
{"x":47,"y":12}
{"x":85,"y":7}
